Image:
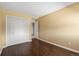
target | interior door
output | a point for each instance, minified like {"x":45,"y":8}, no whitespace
{"x":17,"y":30}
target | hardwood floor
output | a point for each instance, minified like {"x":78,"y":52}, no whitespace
{"x":36,"y":48}
{"x":41,"y":48}
{"x":24,"y":49}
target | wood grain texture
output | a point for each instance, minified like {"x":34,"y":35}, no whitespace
{"x":47,"y":49}
{"x":23,"y":49}
{"x":35,"y":47}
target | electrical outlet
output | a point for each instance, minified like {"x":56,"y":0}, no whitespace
{"x":69,"y":43}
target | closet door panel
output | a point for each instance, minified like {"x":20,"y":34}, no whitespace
{"x":17,"y":30}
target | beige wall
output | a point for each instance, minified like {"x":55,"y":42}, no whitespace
{"x":3,"y":14}
{"x":61,"y":27}
{"x":2,"y":28}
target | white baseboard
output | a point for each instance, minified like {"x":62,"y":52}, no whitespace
{"x":73,"y":50}
{"x":17,"y":43}
{"x":1,"y":50}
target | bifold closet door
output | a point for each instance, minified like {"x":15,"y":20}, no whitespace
{"x":17,"y":30}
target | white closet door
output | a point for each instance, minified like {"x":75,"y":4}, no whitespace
{"x":17,"y":30}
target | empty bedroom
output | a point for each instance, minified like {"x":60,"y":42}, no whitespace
{"x":39,"y":28}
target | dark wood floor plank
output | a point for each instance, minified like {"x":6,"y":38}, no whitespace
{"x":24,"y":49}
{"x":36,"y":48}
{"x":42,"y":48}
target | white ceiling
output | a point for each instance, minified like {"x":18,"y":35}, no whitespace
{"x":35,"y":9}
